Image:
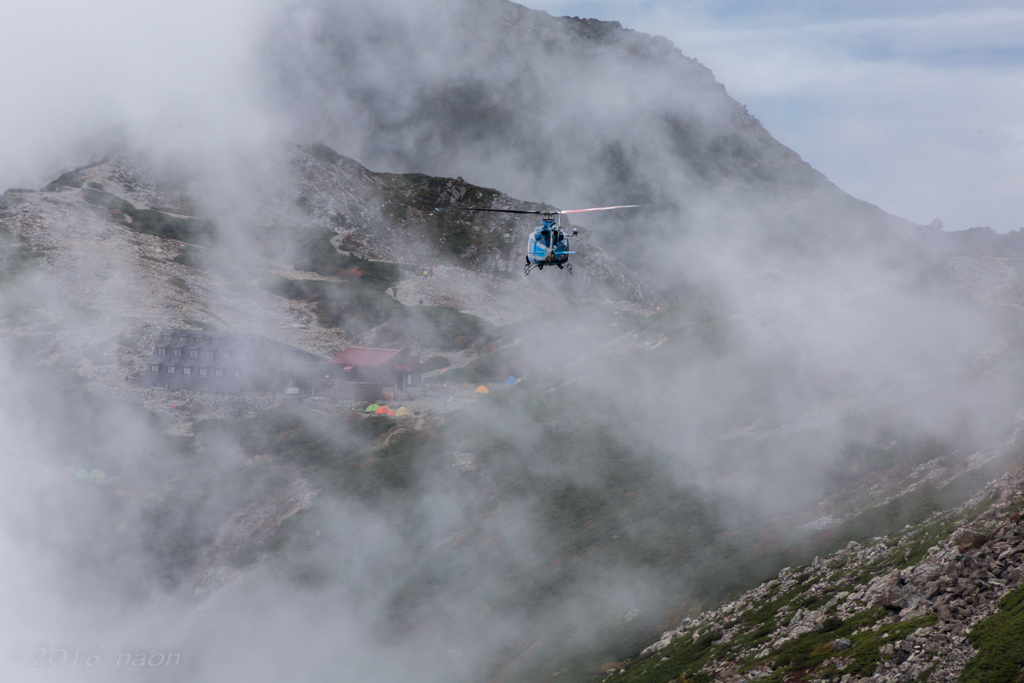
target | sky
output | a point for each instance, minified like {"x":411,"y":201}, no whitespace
{"x":917,"y":107}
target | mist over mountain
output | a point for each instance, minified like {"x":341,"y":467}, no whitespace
{"x":572,"y":111}
{"x":750,"y":371}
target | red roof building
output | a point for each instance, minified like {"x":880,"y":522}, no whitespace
{"x":387,"y":367}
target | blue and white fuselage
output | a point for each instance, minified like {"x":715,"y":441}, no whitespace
{"x":548,"y":246}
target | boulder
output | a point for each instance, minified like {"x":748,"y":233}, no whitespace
{"x":968,"y":539}
{"x":840,"y":644}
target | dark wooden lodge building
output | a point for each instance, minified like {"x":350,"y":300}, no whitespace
{"x":228,"y":363}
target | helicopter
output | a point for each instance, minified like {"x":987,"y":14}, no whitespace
{"x":548,"y":245}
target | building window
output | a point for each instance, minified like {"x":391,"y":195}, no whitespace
{"x":237,"y":373}
{"x":186,"y":371}
{"x":241,"y":357}
{"x":170,"y":369}
{"x":154,"y":368}
{"x":193,"y":353}
{"x":176,"y":353}
{"x":161,"y":352}
{"x":218,"y":373}
{"x":181,"y":340}
{"x":208,"y":355}
{"x":166,"y":339}
{"x":227,"y":355}
{"x":202,"y":372}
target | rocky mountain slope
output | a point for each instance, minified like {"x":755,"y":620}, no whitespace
{"x":127,"y":249}
{"x":915,"y":605}
{"x":576,"y":111}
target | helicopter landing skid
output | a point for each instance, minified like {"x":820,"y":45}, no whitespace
{"x":540,"y":266}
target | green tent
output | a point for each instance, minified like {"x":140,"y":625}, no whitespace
{"x":81,"y":474}
{"x":372,"y":408}
{"x":97,"y":474}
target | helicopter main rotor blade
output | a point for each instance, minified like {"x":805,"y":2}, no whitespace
{"x":602,"y":208}
{"x":547,"y":213}
{"x":475,"y":208}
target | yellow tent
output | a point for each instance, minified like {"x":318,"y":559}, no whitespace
{"x":402,"y":412}
{"x":482,"y":390}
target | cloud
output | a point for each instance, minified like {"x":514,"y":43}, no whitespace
{"x":74,"y":70}
{"x":914,"y":107}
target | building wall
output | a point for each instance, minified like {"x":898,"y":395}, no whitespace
{"x":225,"y":363}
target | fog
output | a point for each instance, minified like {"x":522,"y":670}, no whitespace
{"x":898,"y":103}
{"x":800,"y":339}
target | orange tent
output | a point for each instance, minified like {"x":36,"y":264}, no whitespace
{"x":482,"y":390}
{"x":383,"y":410}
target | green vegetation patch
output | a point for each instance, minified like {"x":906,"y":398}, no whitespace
{"x":492,"y":367}
{"x":228,"y":263}
{"x":335,"y":451}
{"x":316,"y":254}
{"x":435,"y":205}
{"x":16,"y":255}
{"x":1000,"y":643}
{"x":578,"y":329}
{"x":70,"y":179}
{"x":107,"y":200}
{"x":192,"y":230}
{"x":912,"y":508}
{"x":810,"y":651}
{"x":153,"y":222}
{"x":435,"y":363}
{"x":359,"y":308}
{"x":208,"y":327}
{"x":10,"y":199}
{"x":323,"y":153}
{"x":592,"y":29}
{"x":181,"y":284}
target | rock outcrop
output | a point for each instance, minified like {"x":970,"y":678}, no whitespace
{"x":899,"y":609}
